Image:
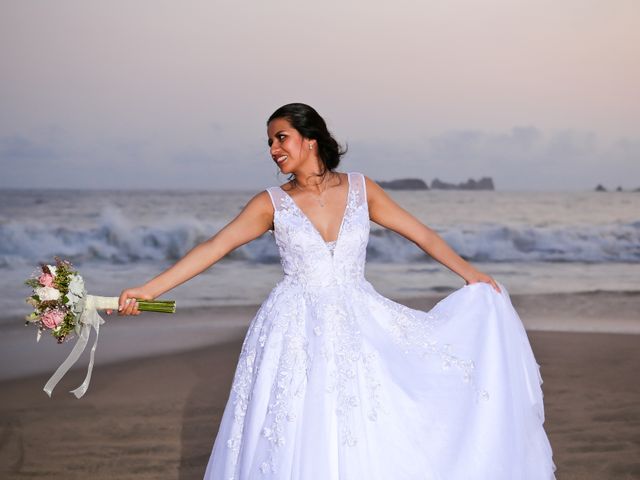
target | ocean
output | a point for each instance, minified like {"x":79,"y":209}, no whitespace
{"x":532,"y":242}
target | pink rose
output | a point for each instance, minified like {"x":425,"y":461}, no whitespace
{"x":46,"y":280}
{"x":52,"y":318}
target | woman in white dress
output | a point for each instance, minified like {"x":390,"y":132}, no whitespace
{"x":337,"y":382}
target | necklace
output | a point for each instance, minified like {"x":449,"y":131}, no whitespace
{"x":318,"y":197}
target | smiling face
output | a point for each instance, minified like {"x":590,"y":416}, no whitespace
{"x":289,"y":150}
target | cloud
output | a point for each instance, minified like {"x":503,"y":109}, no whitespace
{"x":523,"y":157}
{"x":523,"y":143}
{"x":18,"y":148}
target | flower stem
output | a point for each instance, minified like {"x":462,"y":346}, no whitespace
{"x":161,"y":306}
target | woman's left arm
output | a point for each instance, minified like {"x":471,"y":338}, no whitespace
{"x":387,"y":213}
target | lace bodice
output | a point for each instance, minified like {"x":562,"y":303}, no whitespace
{"x":306,"y":257}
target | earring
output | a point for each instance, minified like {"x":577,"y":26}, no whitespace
{"x":310,"y":146}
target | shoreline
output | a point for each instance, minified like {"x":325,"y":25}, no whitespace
{"x":153,"y":334}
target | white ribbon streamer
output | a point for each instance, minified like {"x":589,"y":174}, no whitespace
{"x":89,"y":318}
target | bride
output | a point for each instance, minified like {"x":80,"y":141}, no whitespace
{"x":337,"y":382}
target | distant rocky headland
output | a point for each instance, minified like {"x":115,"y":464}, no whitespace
{"x":601,"y":188}
{"x":485,"y":183}
{"x":404,"y":184}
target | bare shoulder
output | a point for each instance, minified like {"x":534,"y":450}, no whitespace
{"x":260,"y":203}
{"x":370,"y":184}
{"x":374,"y":191}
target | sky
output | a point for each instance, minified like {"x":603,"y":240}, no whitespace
{"x":538,"y":94}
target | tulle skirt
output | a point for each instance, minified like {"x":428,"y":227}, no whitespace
{"x":346,"y":384}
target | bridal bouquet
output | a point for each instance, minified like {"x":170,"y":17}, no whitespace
{"x":63,"y":307}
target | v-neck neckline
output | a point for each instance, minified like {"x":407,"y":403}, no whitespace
{"x":315,"y":229}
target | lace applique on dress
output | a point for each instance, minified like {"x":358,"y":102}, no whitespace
{"x":331,"y":246}
{"x":332,"y":373}
{"x":309,"y":318}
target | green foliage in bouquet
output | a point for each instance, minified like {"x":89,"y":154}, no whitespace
{"x":57,"y":292}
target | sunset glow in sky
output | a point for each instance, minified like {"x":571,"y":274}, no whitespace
{"x":538,"y":94}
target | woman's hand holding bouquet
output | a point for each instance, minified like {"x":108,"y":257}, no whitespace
{"x":63,"y":307}
{"x":129,"y":302}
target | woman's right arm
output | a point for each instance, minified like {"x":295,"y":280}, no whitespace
{"x":254,"y":220}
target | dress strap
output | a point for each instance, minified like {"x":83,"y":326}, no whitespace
{"x":358,"y":185}
{"x":277,"y":196}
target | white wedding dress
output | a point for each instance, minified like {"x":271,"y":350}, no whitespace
{"x":337,"y":382}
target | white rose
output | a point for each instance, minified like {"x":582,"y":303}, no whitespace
{"x":52,"y":269}
{"x":47,"y":293}
{"x":76,"y":286}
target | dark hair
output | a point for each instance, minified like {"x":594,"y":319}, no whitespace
{"x":311,"y":125}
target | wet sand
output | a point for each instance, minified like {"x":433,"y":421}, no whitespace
{"x":157,"y":417}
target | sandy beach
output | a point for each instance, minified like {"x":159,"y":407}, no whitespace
{"x":156,"y":416}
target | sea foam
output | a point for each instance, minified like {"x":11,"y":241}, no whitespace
{"x":116,"y":238}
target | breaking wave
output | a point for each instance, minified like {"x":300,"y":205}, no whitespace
{"x":116,"y":239}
